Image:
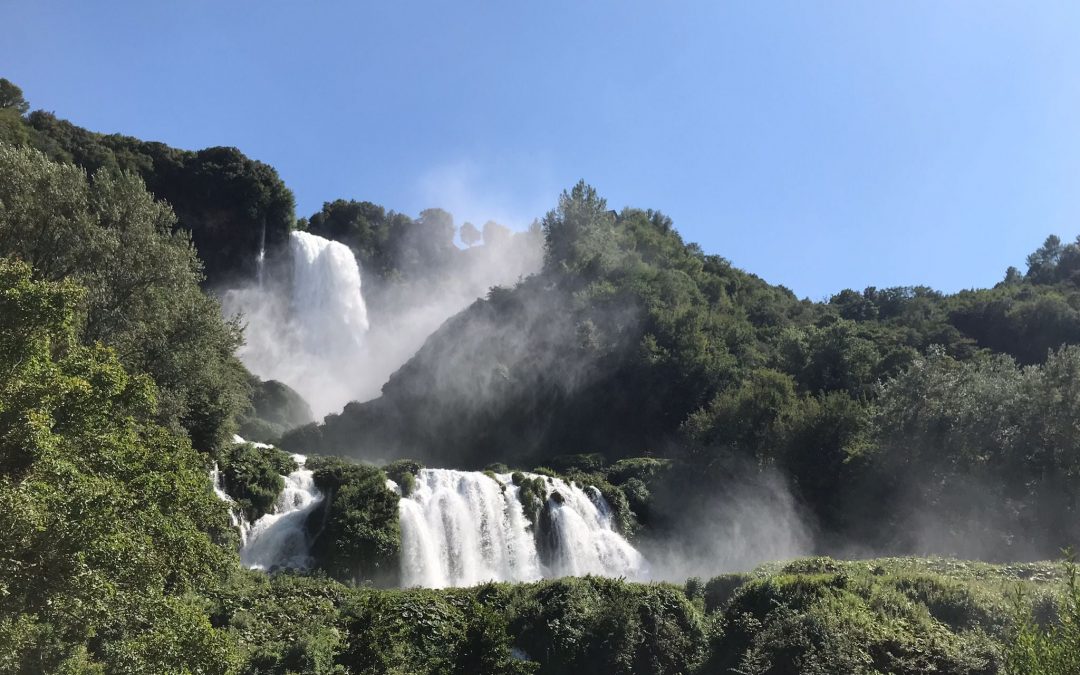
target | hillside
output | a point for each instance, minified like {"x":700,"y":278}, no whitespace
{"x":658,"y":448}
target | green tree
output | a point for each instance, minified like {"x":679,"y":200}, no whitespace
{"x":11,"y":97}
{"x":107,"y":516}
{"x":142,"y":279}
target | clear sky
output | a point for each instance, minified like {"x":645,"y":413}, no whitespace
{"x":821,"y":145}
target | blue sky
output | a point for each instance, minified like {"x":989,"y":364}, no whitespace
{"x":821,"y":145}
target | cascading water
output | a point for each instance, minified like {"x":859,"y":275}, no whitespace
{"x":279,"y":538}
{"x":310,"y":332}
{"x":582,"y":536}
{"x":462,"y":528}
{"x":236,"y":516}
{"x":326,"y":297}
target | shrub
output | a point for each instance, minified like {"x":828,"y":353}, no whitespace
{"x":253,"y":476}
{"x":403,"y":472}
{"x":356,"y":535}
{"x":1051,"y":648}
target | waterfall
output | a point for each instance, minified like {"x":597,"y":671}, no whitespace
{"x":463,"y":528}
{"x":458,"y":528}
{"x":582,"y":537}
{"x":260,"y":261}
{"x":279,"y":538}
{"x":326,"y":297}
{"x":309,"y":331}
{"x":236,"y":516}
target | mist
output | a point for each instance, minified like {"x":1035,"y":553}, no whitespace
{"x":335,"y":332}
{"x":750,"y":520}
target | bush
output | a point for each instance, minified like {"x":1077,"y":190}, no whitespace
{"x":846,"y":621}
{"x":253,"y":476}
{"x":719,"y":590}
{"x":1050,"y":648}
{"x":403,"y":472}
{"x":356,"y":535}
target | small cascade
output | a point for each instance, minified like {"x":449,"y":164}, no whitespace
{"x":582,"y":538}
{"x":463,"y":528}
{"x":260,"y":260}
{"x":279,"y":539}
{"x":236,"y":516}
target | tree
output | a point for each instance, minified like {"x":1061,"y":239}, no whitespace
{"x":107,"y":517}
{"x":469,"y":234}
{"x":495,"y":235}
{"x":437,"y":224}
{"x":231,"y":205}
{"x":11,"y":97}
{"x":142,"y":279}
{"x":1043,"y":262}
{"x":579,"y":234}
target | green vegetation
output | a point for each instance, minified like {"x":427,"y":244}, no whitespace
{"x":253,"y":476}
{"x":631,"y":343}
{"x":403,"y":472}
{"x":142,"y":295}
{"x":903,"y":419}
{"x":109,"y":522}
{"x":356,"y":534}
{"x":232,"y":206}
{"x":901,"y":616}
{"x":275,"y":409}
{"x":1048,"y":644}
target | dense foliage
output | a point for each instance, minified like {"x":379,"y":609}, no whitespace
{"x":632,"y":343}
{"x":142,"y":279}
{"x":1047,"y":644}
{"x":355,"y":534}
{"x":252,"y":475}
{"x":107,"y":516}
{"x":231,"y":205}
{"x":901,"y":616}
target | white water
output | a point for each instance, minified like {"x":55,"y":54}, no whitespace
{"x":458,"y":528}
{"x":279,"y":538}
{"x":312,"y":337}
{"x":463,"y":528}
{"x":236,"y":516}
{"x":583,"y":537}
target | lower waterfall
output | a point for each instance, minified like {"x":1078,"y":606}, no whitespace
{"x":459,"y":528}
{"x":463,"y":528}
{"x":279,"y":539}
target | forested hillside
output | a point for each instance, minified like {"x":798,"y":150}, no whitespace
{"x":879,"y":407}
{"x":657,"y":381}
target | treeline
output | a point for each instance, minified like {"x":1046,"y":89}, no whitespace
{"x":236,"y":208}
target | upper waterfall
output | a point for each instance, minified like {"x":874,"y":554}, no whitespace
{"x":307,"y":328}
{"x":326,"y":297}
